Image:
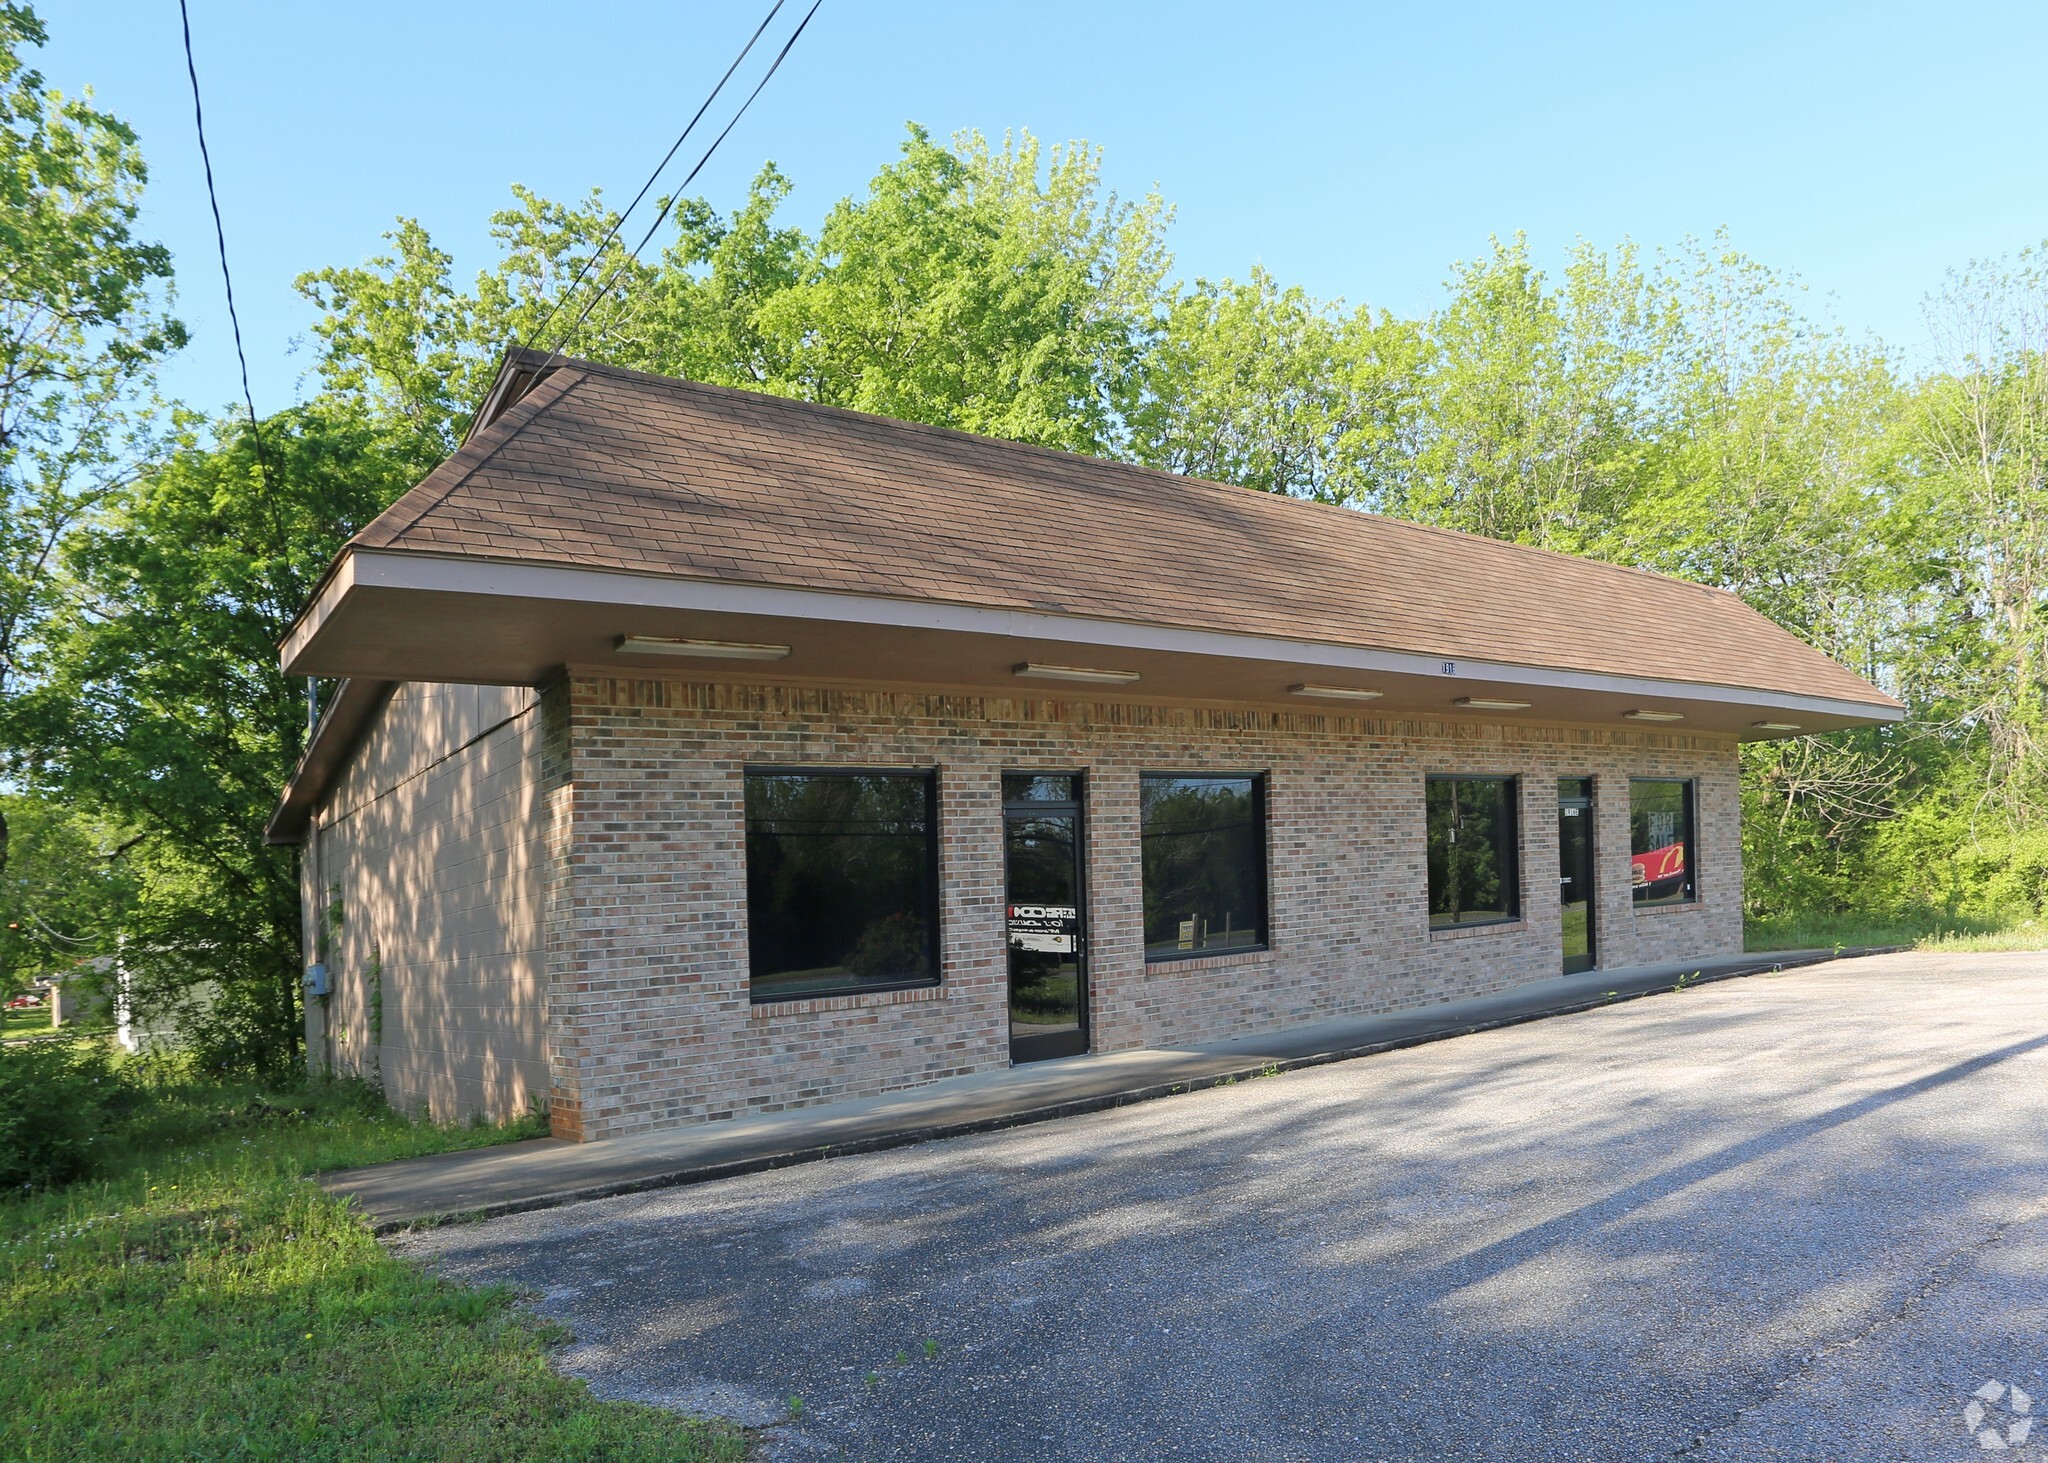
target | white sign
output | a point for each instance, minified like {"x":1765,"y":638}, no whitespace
{"x":1044,"y":929}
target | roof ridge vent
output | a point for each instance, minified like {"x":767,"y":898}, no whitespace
{"x":520,"y":371}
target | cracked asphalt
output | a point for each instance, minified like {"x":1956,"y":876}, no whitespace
{"x":1800,"y":1217}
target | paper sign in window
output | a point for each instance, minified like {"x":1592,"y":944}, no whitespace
{"x":1047,"y":929}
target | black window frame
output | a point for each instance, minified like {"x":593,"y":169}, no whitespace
{"x":1076,"y":781}
{"x":1260,"y":840}
{"x":934,"y":900}
{"x":1512,"y":877}
{"x":1690,"y":803}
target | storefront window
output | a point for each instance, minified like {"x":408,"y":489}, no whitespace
{"x":842,"y":882}
{"x":1661,"y":863}
{"x":1204,"y":864}
{"x":1474,"y":875}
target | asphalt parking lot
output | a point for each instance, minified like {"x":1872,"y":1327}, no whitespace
{"x":1801,"y":1216}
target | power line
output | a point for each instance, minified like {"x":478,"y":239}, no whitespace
{"x":634,"y":254}
{"x":772,"y":68}
{"x":220,"y":239}
{"x":674,"y":147}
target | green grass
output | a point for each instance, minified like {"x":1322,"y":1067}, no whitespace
{"x":35,"y":1022}
{"x":1924,"y":932}
{"x":200,"y":1299}
{"x":1576,"y":928}
{"x":1050,"y":1001}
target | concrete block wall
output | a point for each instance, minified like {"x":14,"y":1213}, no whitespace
{"x":650,"y":1018}
{"x":424,"y":888}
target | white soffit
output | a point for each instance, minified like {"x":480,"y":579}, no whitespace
{"x":435,"y":574}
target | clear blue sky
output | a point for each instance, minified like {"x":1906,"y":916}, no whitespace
{"x":1354,"y":149}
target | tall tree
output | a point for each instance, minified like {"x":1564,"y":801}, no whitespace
{"x":1979,"y":437}
{"x":997,"y":290}
{"x":161,"y":703}
{"x":399,"y":337}
{"x":706,"y":313}
{"x":1540,"y":400}
{"x":82,"y":325}
{"x":1255,"y":384}
{"x":994,"y":289}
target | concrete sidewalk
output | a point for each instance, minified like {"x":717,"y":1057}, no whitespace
{"x":542,"y":1172}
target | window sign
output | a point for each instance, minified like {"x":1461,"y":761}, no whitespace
{"x":1045,"y":929}
{"x":1660,"y":822}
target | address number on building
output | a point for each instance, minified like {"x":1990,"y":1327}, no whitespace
{"x":1045,"y":929}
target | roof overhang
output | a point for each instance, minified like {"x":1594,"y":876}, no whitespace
{"x":334,"y":737}
{"x":383,"y":617}
{"x":399,"y":616}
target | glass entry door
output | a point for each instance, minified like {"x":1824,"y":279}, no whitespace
{"x":1575,"y":869}
{"x":1048,"y":944}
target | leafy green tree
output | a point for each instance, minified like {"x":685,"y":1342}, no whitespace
{"x":65,"y":893}
{"x":1764,"y":471}
{"x":82,"y":324}
{"x":994,"y":290}
{"x":161,"y":705}
{"x":1979,"y":442}
{"x":1540,"y":401}
{"x":1769,"y":477}
{"x":397,"y":335}
{"x":706,"y":316}
{"x":1254,"y":384}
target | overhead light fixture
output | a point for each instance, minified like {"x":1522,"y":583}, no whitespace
{"x":1334,"y":693}
{"x":1654,"y":715}
{"x":1777,"y":726}
{"x":709,"y":649}
{"x":1039,"y":672}
{"x":1489,"y":703}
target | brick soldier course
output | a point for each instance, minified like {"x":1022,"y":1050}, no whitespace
{"x":536,"y":889}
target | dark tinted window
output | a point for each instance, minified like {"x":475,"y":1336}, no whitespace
{"x":1473,"y":873}
{"x":1038,"y":787}
{"x":1661,"y":863}
{"x":1204,"y":863}
{"x":841,"y":882}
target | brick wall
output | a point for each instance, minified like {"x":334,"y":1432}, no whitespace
{"x":423,"y":883}
{"x":650,"y":1021}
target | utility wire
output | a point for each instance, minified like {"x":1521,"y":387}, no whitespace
{"x":220,"y":238}
{"x":53,"y":933}
{"x":535,"y":334}
{"x":670,"y":203}
{"x":692,"y":177}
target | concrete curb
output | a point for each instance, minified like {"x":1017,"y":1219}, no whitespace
{"x":1764,"y":964}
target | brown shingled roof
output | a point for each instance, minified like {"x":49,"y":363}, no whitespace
{"x":599,"y":467}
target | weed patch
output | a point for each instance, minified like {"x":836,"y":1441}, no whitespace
{"x":198,"y":1298}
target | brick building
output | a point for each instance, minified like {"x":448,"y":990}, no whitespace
{"x":696,"y":753}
